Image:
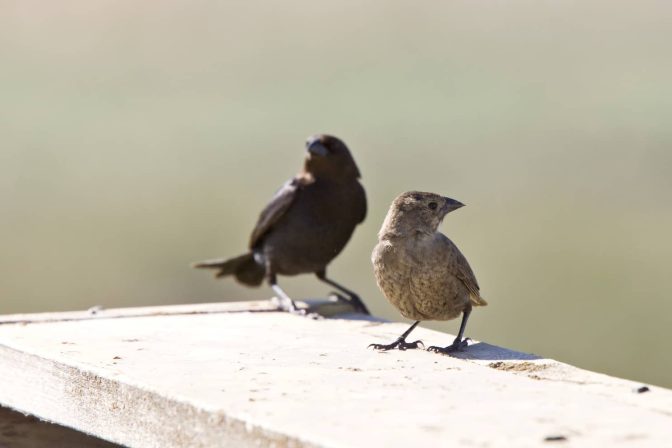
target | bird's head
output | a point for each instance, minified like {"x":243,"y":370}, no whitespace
{"x":417,"y":211}
{"x":328,"y":156}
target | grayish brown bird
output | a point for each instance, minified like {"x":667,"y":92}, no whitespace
{"x":419,"y":270}
{"x":306,"y":225}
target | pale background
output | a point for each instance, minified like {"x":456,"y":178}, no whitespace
{"x":136,"y":137}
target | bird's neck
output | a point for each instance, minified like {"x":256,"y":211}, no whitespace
{"x":320,"y":176}
{"x":396,"y":233}
{"x":396,"y":226}
{"x":328,"y":171}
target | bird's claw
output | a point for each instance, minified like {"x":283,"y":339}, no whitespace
{"x":401,"y":345}
{"x":410,"y":345}
{"x":353,"y":301}
{"x":304,"y":313}
{"x":291,"y":308}
{"x":456,"y":346}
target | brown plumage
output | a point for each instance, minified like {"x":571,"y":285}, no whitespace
{"x":419,"y":270}
{"x":306,"y":225}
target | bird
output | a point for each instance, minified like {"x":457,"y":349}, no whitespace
{"x":306,"y":224}
{"x":420,"y":270}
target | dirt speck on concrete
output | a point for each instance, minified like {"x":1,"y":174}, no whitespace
{"x":521,"y":367}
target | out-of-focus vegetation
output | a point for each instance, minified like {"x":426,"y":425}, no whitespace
{"x":136,"y":137}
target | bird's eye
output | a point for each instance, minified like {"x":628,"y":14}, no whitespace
{"x":432,"y":205}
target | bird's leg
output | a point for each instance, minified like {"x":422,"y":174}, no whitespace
{"x":353,"y":297}
{"x":459,"y":343}
{"x":285,"y":302}
{"x":400,"y":343}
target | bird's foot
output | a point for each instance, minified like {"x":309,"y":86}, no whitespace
{"x":305,"y":313}
{"x":352,"y":300}
{"x":288,"y":306}
{"x":400,"y":344}
{"x":359,"y":304}
{"x":456,"y":346}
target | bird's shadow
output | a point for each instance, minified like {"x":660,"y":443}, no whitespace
{"x":483,"y":351}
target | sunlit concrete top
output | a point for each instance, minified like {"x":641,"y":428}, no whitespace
{"x":242,"y":375}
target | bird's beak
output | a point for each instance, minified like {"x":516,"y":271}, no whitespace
{"x":315,"y":146}
{"x":451,"y":204}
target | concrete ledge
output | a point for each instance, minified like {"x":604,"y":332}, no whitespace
{"x":228,"y":375}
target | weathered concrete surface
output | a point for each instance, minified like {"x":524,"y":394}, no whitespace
{"x":271,"y":379}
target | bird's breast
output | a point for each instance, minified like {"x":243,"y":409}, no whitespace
{"x":417,"y":281}
{"x":313,"y":231}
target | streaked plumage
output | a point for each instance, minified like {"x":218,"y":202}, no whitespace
{"x":420,"y":270}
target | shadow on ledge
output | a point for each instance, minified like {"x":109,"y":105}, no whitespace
{"x":486,"y":352}
{"x":333,"y":308}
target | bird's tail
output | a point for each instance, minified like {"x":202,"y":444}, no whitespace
{"x":477,"y":300}
{"x":246,"y":270}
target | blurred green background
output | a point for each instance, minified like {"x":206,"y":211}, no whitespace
{"x":137,"y":137}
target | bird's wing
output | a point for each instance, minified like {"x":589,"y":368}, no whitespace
{"x":276,"y":209}
{"x":464,"y":273}
{"x":467,"y":277}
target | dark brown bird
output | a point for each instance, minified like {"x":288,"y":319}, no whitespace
{"x":306,"y":225}
{"x":419,"y":270}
